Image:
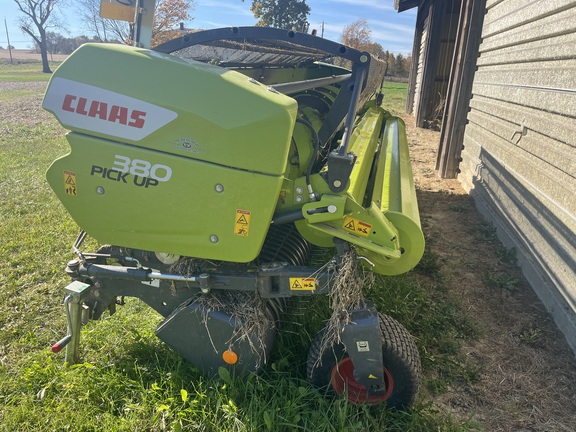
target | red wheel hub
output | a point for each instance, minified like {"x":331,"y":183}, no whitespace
{"x":343,"y":381}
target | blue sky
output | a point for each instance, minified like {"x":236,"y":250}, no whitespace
{"x":392,"y":30}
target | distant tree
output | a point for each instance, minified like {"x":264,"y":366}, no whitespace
{"x":168,"y":14}
{"x":52,"y":42}
{"x":376,"y":49}
{"x":38,"y":17}
{"x":399,"y":60}
{"x":357,"y":35}
{"x":283,"y":14}
{"x":89,"y":12}
{"x":167,"y":18}
{"x":407,"y":63}
{"x":391,"y":61}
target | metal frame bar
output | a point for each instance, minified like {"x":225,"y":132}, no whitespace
{"x":264,"y":33}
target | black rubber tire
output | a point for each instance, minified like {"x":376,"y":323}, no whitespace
{"x":401,"y":364}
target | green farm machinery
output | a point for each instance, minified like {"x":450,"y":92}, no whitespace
{"x":211,"y":168}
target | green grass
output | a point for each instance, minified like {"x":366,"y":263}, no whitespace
{"x":131,"y":381}
{"x":486,"y":233}
{"x":501,"y":281}
{"x":15,"y":94}
{"x":24,"y":70}
{"x":395,"y":97}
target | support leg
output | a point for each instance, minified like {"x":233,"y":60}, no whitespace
{"x":74,"y":327}
{"x":76,"y":292}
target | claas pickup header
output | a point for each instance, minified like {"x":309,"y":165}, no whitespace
{"x":211,"y":169}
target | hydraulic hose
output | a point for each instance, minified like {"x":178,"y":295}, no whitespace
{"x":316,"y":145}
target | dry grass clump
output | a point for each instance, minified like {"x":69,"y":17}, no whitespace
{"x":249,"y":315}
{"x":186,"y":266}
{"x":345,"y":296}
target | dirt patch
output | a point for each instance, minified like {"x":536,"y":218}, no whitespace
{"x":527,"y":371}
{"x":26,"y":109}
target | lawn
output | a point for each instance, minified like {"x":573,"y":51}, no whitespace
{"x":23,"y":71}
{"x":129,"y":380}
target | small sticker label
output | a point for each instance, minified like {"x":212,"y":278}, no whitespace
{"x":70,"y":183}
{"x":302,"y":284}
{"x":242,"y":223}
{"x":357,"y":226}
{"x":363,"y":346}
{"x":187,"y":145}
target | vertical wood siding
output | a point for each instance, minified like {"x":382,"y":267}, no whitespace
{"x":439,"y":20}
{"x":421,"y":59}
{"x":444,"y":54}
{"x":519,"y":157}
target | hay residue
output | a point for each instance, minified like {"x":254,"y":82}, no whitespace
{"x":345,"y":296}
{"x":187,"y":266}
{"x":249,"y":316}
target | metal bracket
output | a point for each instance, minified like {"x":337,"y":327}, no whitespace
{"x":339,"y":169}
{"x":362,"y":338}
{"x":521,"y":132}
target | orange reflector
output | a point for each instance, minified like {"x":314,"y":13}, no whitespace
{"x":230,"y":357}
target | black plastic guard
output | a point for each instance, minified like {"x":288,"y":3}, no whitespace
{"x":202,"y":336}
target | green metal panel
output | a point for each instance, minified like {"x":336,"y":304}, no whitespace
{"x":165,"y":103}
{"x":169,"y":155}
{"x":201,"y":210}
{"x":363,"y":143}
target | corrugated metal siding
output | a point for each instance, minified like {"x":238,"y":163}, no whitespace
{"x":519,"y":157}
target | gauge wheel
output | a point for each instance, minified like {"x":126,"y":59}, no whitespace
{"x":332,"y":369}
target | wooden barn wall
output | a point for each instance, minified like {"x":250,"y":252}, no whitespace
{"x":519,"y":156}
{"x":460,"y":87}
{"x":424,"y":18}
{"x":415,"y":64}
{"x":436,"y":29}
{"x":443,"y":58}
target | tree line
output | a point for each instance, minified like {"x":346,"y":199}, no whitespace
{"x":59,"y":44}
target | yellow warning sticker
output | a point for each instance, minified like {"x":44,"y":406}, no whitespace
{"x":70,"y":183}
{"x":302,"y":284}
{"x":357,"y":226}
{"x":242,"y":224}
